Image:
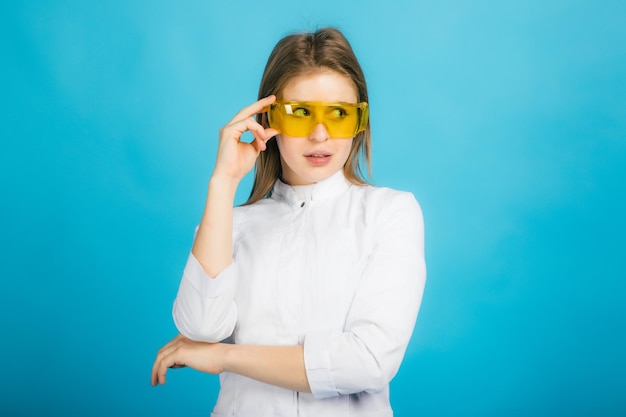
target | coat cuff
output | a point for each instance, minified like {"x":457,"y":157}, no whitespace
{"x":318,"y":366}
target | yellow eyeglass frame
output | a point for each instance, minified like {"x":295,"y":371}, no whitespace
{"x":299,"y":118}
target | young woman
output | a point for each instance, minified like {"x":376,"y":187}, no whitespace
{"x":304,"y":299}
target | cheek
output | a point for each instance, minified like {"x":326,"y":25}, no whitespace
{"x":283,"y":148}
{"x":287,"y":147}
{"x":346,"y":148}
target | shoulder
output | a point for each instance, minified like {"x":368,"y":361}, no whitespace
{"x":393,"y":218}
{"x":384,"y":201}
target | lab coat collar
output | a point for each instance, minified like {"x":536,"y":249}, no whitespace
{"x":331,"y":186}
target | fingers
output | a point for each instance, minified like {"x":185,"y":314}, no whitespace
{"x":255,"y":108}
{"x":261,"y":144}
{"x":181,"y":352}
{"x":235,"y":158}
{"x":165,"y":359}
{"x":258,"y":131}
{"x":260,"y":134}
{"x":245,"y":121}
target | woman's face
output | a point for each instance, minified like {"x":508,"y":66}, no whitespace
{"x":307,"y":160}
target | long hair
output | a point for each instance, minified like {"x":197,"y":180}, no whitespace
{"x":302,"y":54}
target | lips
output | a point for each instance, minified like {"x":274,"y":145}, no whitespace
{"x":318,"y":157}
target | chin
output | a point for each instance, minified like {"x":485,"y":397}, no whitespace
{"x":310,"y":177}
{"x":321,"y":176}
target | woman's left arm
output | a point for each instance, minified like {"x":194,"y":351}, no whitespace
{"x":282,"y":366}
{"x":366,"y":355}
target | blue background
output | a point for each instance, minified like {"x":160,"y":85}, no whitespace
{"x":506,"y":119}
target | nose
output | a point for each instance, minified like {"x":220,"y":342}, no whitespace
{"x":319,"y":133}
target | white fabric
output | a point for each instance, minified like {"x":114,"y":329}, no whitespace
{"x":340,"y":270}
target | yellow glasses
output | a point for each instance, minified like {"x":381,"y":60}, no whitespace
{"x":299,"y":118}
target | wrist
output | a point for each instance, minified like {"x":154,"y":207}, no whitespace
{"x":223,"y":181}
{"x":223,"y":188}
{"x":227,"y":356}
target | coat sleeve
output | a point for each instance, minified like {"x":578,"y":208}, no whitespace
{"x":367,"y":354}
{"x":204,"y":308}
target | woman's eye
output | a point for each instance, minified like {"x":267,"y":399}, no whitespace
{"x":301,"y":112}
{"x":338,"y":113}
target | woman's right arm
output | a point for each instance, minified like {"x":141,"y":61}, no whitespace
{"x":203,"y":309}
{"x":213,"y":244}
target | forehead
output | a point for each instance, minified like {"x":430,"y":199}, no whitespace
{"x":324,"y":85}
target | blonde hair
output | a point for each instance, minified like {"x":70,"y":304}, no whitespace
{"x":304,"y":54}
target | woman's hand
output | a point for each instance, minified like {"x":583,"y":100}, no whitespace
{"x":282,"y":366}
{"x":213,"y":244}
{"x":180,"y":352}
{"x":234,"y":157}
